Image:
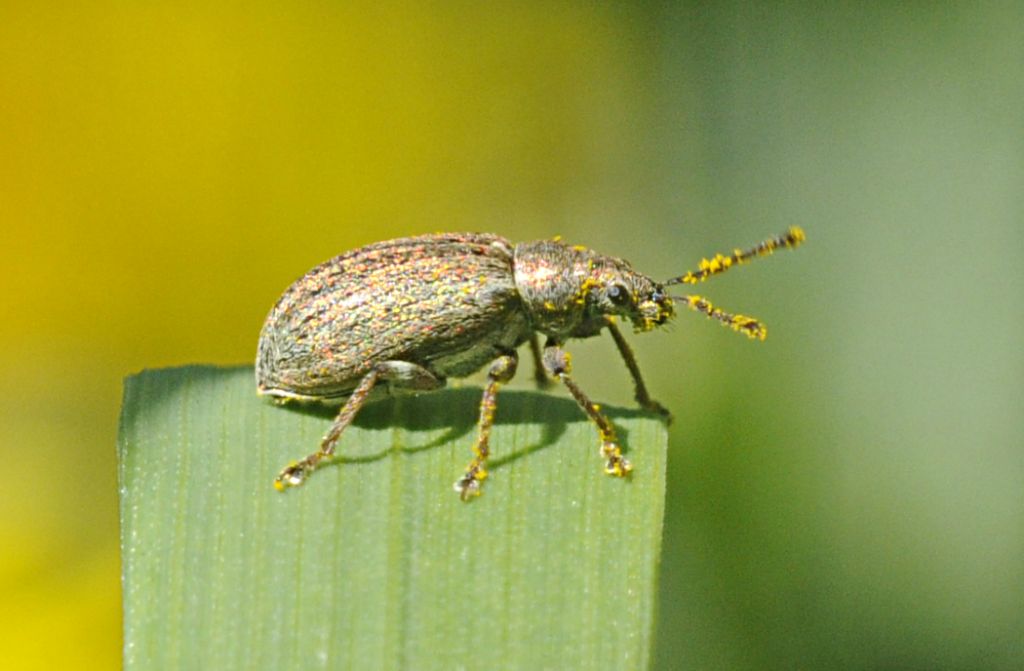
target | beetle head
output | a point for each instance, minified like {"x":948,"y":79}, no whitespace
{"x":569,"y":290}
{"x":615,"y":289}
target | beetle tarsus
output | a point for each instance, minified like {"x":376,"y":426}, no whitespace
{"x":468,"y":486}
{"x":656,"y":408}
{"x":294,"y":475}
{"x":615,"y":463}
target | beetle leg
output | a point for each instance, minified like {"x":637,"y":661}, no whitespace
{"x":502,"y":370}
{"x":643,"y":398}
{"x":542,"y":379}
{"x":398,"y":375}
{"x":557,"y":363}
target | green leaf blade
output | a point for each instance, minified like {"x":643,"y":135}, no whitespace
{"x":375,"y":563}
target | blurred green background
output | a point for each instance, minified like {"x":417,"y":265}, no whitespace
{"x":849,"y":494}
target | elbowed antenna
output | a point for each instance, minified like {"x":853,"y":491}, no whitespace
{"x":719,"y":264}
{"x":739,"y":323}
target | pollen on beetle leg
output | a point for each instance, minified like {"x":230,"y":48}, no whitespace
{"x":615,"y":464}
{"x":298,"y":472}
{"x":502,"y":370}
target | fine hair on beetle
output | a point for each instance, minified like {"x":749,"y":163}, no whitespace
{"x":403,"y":316}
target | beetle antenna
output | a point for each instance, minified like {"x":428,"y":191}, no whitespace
{"x":720,"y":263}
{"x":739,"y":323}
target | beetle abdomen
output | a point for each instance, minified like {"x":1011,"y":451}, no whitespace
{"x":446,"y":302}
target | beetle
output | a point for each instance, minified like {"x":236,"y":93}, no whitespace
{"x":403,"y":316}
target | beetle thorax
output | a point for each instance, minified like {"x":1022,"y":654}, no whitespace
{"x":571,"y":291}
{"x":550,"y":279}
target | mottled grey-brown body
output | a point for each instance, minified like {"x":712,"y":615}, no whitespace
{"x":448,"y":303}
{"x":405,"y":315}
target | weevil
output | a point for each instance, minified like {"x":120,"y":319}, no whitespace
{"x":405,"y":315}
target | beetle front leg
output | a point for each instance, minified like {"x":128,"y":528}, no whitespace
{"x":502,"y":370}
{"x":398,"y":374}
{"x":556,"y":361}
{"x":643,"y":398}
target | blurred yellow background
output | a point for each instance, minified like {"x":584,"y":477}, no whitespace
{"x":848,"y":495}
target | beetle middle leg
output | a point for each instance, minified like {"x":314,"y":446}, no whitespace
{"x":541,"y":377}
{"x":398,"y":375}
{"x":556,"y":361}
{"x":502,"y":370}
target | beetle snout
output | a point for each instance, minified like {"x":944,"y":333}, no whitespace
{"x":655,"y":310}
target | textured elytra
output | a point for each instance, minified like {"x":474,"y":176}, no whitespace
{"x":444,"y":302}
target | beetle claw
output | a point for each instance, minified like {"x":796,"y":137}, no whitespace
{"x":468,"y":486}
{"x":617,"y":464}
{"x":658,"y":409}
{"x":292,"y":476}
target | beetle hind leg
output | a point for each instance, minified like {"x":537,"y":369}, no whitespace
{"x":398,"y":375}
{"x":502,"y":370}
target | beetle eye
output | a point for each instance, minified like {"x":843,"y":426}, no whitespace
{"x":618,"y":294}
